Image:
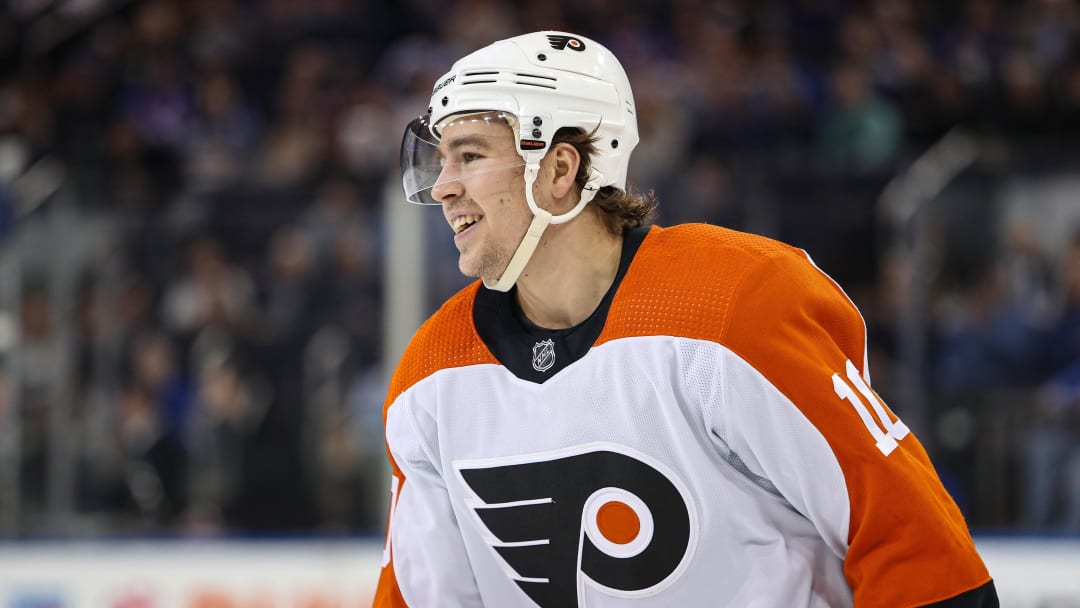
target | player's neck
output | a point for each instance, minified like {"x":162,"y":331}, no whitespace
{"x":573,"y":267}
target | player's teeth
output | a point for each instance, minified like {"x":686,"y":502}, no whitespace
{"x":463,"y":222}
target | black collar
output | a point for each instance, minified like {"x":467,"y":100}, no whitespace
{"x":532,"y":352}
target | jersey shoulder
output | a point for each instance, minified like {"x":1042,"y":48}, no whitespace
{"x":446,"y":340}
{"x":761,"y":299}
{"x":686,"y":280}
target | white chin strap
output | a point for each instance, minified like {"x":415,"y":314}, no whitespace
{"x":540,"y":222}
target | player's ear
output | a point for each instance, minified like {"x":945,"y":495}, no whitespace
{"x":565,"y":161}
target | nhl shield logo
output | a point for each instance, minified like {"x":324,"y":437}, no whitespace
{"x":543,"y":355}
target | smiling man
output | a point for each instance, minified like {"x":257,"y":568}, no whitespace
{"x":624,"y":415}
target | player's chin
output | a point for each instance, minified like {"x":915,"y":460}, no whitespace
{"x":467,"y":268}
{"x":479,"y":269}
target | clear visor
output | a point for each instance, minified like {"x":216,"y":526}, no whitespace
{"x":466,"y":146}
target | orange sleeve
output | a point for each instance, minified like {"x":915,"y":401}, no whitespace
{"x":908,"y":543}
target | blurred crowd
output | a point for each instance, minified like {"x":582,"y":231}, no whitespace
{"x":209,"y":359}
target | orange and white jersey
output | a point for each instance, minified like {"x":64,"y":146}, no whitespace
{"x":708,"y":437}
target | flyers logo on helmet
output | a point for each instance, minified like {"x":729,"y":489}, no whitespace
{"x":600,"y":514}
{"x":562,"y":42}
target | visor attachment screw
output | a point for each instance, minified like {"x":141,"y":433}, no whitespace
{"x":538,"y":121}
{"x":536,"y":133}
{"x":445,"y":100}
{"x":614,"y":143}
{"x":542,"y":57}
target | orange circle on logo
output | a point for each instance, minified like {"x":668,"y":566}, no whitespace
{"x":618,"y":522}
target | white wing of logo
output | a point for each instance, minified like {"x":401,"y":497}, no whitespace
{"x":543,"y":355}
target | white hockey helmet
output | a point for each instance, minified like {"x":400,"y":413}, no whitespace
{"x":546,"y":80}
{"x":539,"y":83}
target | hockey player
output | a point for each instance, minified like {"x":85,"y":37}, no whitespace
{"x":624,"y":415}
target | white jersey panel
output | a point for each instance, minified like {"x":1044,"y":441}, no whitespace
{"x":429,"y":552}
{"x":769,"y":438}
{"x":676,"y":477}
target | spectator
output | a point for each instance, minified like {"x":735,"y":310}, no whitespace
{"x":295,"y":295}
{"x":231,"y":410}
{"x":223,"y":130}
{"x":149,"y":491}
{"x":862,"y":130}
{"x":211,"y":293}
{"x":39,"y":359}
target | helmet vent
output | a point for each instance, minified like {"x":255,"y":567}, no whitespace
{"x":537,"y":80}
{"x":518,"y":78}
{"x":536,"y":84}
{"x":538,"y":76}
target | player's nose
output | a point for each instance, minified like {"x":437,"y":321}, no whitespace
{"x":447,"y":188}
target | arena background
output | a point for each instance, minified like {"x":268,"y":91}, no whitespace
{"x":207,"y":269}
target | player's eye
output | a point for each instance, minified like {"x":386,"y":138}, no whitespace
{"x":459,"y":158}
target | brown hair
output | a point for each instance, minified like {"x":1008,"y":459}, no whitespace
{"x":623,"y":208}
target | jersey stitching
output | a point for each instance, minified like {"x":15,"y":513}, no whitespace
{"x":736,"y":289}
{"x":790,"y":403}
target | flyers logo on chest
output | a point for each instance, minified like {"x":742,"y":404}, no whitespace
{"x":600,"y":515}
